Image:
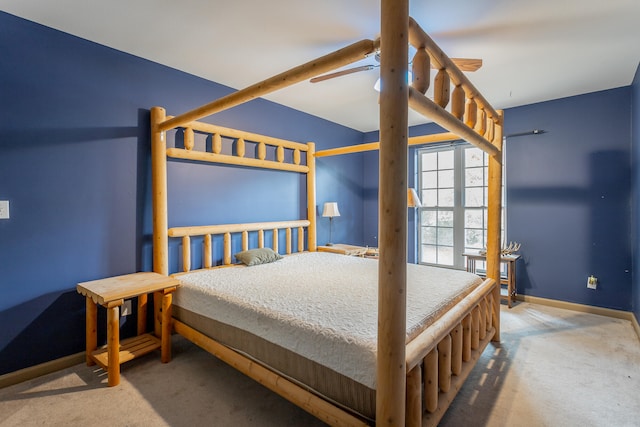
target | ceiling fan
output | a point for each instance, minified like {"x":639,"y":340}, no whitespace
{"x":465,"y":64}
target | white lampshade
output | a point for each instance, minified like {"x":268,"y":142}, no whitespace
{"x":331,"y":209}
{"x":413,"y":201}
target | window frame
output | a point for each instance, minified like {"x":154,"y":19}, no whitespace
{"x":459,"y":227}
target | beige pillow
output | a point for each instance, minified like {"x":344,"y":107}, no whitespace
{"x":258,"y":256}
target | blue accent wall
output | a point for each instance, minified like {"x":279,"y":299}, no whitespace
{"x":75,"y":166}
{"x":635,"y":189}
{"x":568,"y":197}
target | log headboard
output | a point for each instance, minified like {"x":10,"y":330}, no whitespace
{"x":287,"y":156}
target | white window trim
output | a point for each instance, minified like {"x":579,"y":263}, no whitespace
{"x":459,"y":185}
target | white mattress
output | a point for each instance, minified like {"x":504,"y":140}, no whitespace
{"x":322,"y":306}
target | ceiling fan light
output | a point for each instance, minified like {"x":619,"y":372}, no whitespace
{"x":376,"y":86}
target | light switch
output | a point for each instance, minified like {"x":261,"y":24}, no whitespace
{"x":4,"y":209}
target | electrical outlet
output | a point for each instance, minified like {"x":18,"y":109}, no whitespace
{"x":592,"y":282}
{"x":126,"y":308}
{"x":4,"y":209}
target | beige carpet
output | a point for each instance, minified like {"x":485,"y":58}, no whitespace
{"x":553,"y":368}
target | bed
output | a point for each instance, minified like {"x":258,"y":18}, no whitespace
{"x":405,"y":367}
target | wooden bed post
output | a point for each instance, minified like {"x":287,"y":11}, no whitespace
{"x":160,"y":222}
{"x":159,"y":188}
{"x":392,"y":268}
{"x":311,"y":198}
{"x":494,"y":217}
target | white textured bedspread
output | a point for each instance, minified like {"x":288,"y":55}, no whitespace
{"x":320,"y":305}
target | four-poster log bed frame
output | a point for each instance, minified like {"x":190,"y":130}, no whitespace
{"x":416,"y":381}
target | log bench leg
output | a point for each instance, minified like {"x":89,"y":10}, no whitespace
{"x":113,"y":342}
{"x":91,"y":325}
{"x":142,"y":314}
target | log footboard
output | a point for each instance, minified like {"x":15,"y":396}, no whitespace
{"x":436,"y":370}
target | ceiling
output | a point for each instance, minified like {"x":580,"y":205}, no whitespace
{"x":531,"y":51}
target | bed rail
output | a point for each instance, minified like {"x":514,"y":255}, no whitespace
{"x":471,"y":116}
{"x":288,"y":154}
{"x":372,"y":146}
{"x":226,"y":230}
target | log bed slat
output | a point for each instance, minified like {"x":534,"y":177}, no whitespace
{"x":208,"y":252}
{"x":227,"y":249}
{"x":483,"y":321}
{"x":186,"y":253}
{"x":458,"y":102}
{"x":245,"y":240}
{"x":275,"y":240}
{"x":466,"y":338}
{"x":216,"y":144}
{"x":456,"y":349}
{"x":414,"y":394}
{"x":261,"y":238}
{"x":240,"y":147}
{"x":441,"y":88}
{"x":188,"y":138}
{"x":288,"y":240}
{"x":444,"y":364}
{"x":475,"y":328}
{"x":431,"y":381}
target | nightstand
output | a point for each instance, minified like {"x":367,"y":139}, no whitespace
{"x":111,"y":293}
{"x":340,"y":248}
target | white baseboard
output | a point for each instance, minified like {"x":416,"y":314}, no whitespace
{"x":583,"y":308}
{"x":636,"y":325}
{"x":42,"y":369}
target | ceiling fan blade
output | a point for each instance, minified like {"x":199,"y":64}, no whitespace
{"x":467,"y":64}
{"x":342,"y":73}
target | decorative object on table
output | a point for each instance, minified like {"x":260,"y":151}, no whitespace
{"x":511,"y":249}
{"x":330,"y":210}
{"x":413,"y":201}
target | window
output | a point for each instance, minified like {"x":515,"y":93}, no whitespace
{"x":453,"y":189}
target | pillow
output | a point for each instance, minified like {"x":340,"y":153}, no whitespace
{"x":258,"y":256}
